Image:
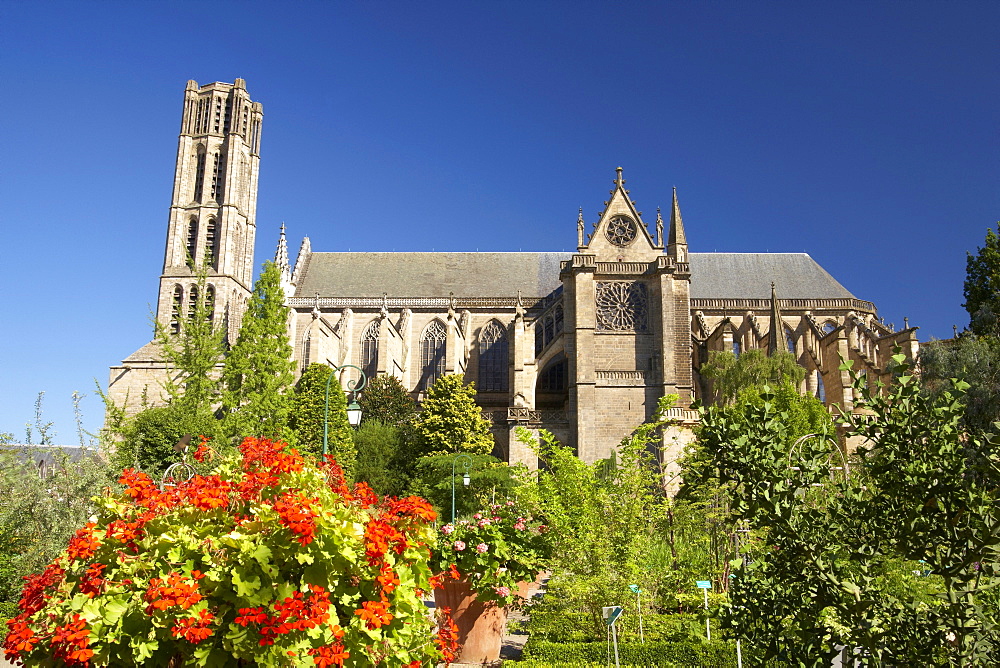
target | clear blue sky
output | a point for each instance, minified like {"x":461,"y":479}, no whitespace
{"x":865,"y":134}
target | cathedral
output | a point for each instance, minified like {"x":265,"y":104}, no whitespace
{"x":582,"y":344}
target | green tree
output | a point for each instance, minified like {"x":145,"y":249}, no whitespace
{"x":729,"y":374}
{"x":378,"y":448}
{"x":982,"y":285}
{"x":193,"y":353}
{"x":832,"y":562}
{"x":489,"y":478}
{"x":307,"y":416}
{"x":450,"y":420}
{"x":258,"y":370}
{"x":385,"y":400}
{"x":975,"y":360}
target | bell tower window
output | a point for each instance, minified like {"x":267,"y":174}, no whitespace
{"x":192,"y":241}
{"x":175,"y":310}
{"x":212,"y":243}
{"x":199,"y":176}
{"x":192,"y":301}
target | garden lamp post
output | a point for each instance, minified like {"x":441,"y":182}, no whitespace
{"x":467,"y":461}
{"x":353,"y":409}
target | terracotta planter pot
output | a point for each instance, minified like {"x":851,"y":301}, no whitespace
{"x":480,"y":625}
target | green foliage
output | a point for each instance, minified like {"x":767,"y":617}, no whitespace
{"x":308,"y":413}
{"x":257,"y":372}
{"x":37,"y":517}
{"x":700,"y":653}
{"x":730,"y":375}
{"x":974,"y":359}
{"x":149,"y":437}
{"x":489,"y":479}
{"x":385,"y":400}
{"x":833,"y":553}
{"x":604,"y":520}
{"x":193,"y":354}
{"x":982,"y":284}
{"x":379,"y":447}
{"x":450,"y":420}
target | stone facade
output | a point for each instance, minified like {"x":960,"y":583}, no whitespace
{"x":582,"y":344}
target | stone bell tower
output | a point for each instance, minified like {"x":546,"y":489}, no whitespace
{"x":213,"y":210}
{"x":627,"y":295}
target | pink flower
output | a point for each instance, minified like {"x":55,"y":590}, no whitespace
{"x":520,"y":526}
{"x":502,"y":591}
{"x":510,"y":503}
{"x":482,"y":547}
{"x":477,"y":516}
{"x":483,"y":523}
{"x":447,"y":529}
{"x":459,"y":545}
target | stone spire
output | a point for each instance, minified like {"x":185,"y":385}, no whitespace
{"x":281,"y":254}
{"x":676,"y":224}
{"x":677,"y":246}
{"x":776,"y":342}
{"x":281,"y":262}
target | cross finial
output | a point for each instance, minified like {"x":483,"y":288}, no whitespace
{"x":282,"y":227}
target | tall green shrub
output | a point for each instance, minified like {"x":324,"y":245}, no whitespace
{"x":385,"y":400}
{"x":257,"y":373}
{"x":307,"y":417}
{"x":451,"y":421}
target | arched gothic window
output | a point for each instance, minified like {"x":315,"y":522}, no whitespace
{"x":199,"y":176}
{"x":554,"y":377}
{"x":210,"y":303}
{"x":493,"y":358}
{"x":820,"y":388}
{"x":192,"y":241}
{"x":369,"y":349}
{"x":790,"y":340}
{"x":212,"y":243}
{"x":829,"y":326}
{"x":192,"y":301}
{"x":737,"y":347}
{"x":432,"y":350}
{"x":175,"y":310}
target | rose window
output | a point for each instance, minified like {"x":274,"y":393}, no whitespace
{"x":621,"y":231}
{"x":622,"y":306}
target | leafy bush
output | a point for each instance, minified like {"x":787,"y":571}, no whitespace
{"x":149,"y":437}
{"x":550,"y":623}
{"x":704,"y":654}
{"x":38,"y":516}
{"x":267,"y":557}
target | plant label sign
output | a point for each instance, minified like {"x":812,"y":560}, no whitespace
{"x":611,"y":614}
{"x":704,"y":584}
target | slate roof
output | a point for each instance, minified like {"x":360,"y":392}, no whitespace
{"x":713,"y":275}
{"x":749,"y":276}
{"x":431,"y":274}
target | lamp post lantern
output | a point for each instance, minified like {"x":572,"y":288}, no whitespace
{"x":467,"y":461}
{"x":353,"y":409}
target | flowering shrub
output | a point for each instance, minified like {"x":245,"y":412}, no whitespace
{"x":494,"y":551}
{"x":269,"y":560}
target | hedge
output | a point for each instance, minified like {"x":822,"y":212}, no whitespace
{"x":714,"y":654}
{"x":537,"y":663}
{"x":557,"y":625}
